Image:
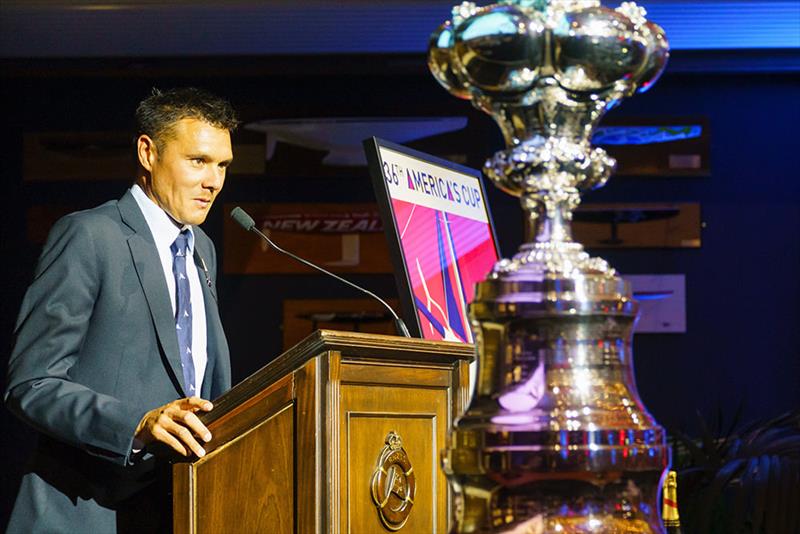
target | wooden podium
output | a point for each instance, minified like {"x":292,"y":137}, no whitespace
{"x":304,"y":446}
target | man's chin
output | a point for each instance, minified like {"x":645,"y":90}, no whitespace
{"x":197,"y":218}
{"x":191,"y":221}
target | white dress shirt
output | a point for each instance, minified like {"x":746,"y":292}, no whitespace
{"x":165,"y":230}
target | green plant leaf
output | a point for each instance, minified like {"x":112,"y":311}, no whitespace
{"x":742,"y":494}
{"x":748,"y":482}
{"x":714,"y":491}
{"x":760,"y":484}
{"x":773,"y":516}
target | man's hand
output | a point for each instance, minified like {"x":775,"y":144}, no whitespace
{"x":176,"y":425}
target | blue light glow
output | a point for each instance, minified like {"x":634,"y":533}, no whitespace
{"x":63,"y":30}
{"x":491,"y":24}
{"x":644,"y":135}
{"x":727,"y":25}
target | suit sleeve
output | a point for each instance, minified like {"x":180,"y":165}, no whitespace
{"x":50,"y":331}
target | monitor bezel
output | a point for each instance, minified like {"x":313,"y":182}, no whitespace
{"x":405,"y":291}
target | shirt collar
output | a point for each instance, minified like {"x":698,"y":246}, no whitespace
{"x":162,"y":226}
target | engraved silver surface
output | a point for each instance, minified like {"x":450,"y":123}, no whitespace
{"x":556,"y":438}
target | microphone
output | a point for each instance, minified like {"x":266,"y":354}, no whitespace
{"x":246,"y":221}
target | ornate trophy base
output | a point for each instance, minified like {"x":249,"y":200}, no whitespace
{"x":556,"y":438}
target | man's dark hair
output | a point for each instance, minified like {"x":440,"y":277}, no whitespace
{"x":157,"y":113}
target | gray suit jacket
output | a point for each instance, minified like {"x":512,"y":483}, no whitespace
{"x":96,"y":349}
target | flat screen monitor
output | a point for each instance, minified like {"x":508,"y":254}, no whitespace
{"x":440,"y":235}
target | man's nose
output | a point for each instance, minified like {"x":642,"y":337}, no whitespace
{"x":214,"y":178}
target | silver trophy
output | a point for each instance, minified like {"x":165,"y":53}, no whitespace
{"x":556,"y":438}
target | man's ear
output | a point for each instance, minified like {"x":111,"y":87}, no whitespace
{"x":146,"y":152}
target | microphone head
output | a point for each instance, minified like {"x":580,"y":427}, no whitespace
{"x":241,"y":217}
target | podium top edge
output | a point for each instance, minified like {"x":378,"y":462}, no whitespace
{"x":343,"y":339}
{"x":351,"y":346}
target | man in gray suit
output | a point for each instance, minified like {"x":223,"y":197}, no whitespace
{"x":119,"y":344}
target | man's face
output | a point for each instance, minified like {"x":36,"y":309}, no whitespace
{"x":189,"y":171}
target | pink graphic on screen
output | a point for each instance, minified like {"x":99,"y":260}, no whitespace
{"x":445,"y":255}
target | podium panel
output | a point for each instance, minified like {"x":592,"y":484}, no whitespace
{"x":269,"y":506}
{"x":418,"y":412}
{"x":340,"y":434}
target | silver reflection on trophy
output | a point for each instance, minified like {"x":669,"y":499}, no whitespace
{"x":556,"y":439}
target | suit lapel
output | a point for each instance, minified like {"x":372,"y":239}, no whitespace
{"x":202,"y":270}
{"x":151,"y":275}
{"x":214,"y":334}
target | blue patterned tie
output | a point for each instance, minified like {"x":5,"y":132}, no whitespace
{"x":183,"y":308}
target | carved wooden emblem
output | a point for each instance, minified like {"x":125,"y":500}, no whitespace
{"x":393,"y":484}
